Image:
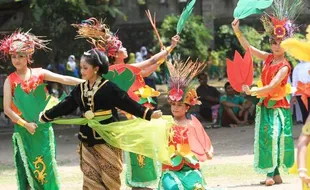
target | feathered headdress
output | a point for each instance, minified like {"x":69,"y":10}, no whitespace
{"x":280,"y":24}
{"x":22,"y":43}
{"x":99,"y":35}
{"x":181,"y":75}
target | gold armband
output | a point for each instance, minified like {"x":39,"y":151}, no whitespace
{"x":238,"y":34}
{"x":306,"y":129}
{"x":169,"y":49}
{"x":21,"y":122}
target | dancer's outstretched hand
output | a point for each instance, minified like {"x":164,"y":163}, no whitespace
{"x":175,"y":40}
{"x":156,"y":114}
{"x":235,"y":25}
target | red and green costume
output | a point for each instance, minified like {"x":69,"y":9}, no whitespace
{"x":274,"y":143}
{"x":34,"y":155}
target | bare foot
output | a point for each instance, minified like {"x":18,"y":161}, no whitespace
{"x":269,"y":181}
{"x":232,"y":125}
{"x":277,"y":179}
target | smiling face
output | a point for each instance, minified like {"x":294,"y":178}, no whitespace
{"x":178,"y":109}
{"x":87,"y":70}
{"x":276,"y":48}
{"x":19,"y":61}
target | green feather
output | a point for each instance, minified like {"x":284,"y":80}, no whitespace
{"x":187,"y":11}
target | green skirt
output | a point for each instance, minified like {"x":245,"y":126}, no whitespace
{"x":184,"y":179}
{"x":274,"y":143}
{"x":35,"y":158}
{"x":141,"y":171}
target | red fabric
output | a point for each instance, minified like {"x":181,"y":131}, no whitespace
{"x":199,"y":141}
{"x":268,"y":73}
{"x":195,"y":136}
{"x":303,"y":89}
{"x":240,"y":70}
{"x":180,"y":137}
{"x":27,"y":85}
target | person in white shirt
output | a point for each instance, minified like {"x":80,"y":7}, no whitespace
{"x":301,"y":81}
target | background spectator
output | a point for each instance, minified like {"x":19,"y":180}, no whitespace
{"x":234,"y":109}
{"x":209,"y":97}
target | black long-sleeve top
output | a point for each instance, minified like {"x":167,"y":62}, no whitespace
{"x":106,"y":98}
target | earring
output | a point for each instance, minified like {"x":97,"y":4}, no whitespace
{"x":95,"y":72}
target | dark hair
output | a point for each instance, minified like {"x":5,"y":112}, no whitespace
{"x":203,"y":74}
{"x":111,"y":60}
{"x":97,"y":58}
{"x":226,"y":85}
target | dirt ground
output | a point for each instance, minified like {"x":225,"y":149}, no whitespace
{"x":231,"y":168}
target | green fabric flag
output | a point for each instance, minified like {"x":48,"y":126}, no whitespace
{"x":246,"y":8}
{"x":186,"y":13}
{"x":148,"y":138}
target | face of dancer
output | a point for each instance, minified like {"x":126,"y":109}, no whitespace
{"x":179,"y":108}
{"x":122,"y":53}
{"x":19,"y":61}
{"x":276,"y":48}
{"x":88,"y":71}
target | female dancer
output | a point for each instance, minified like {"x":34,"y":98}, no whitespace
{"x":34,"y":157}
{"x":273,"y":144}
{"x":188,"y":142}
{"x":101,"y":163}
{"x":141,"y":171}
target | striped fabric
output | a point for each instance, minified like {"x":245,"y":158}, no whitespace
{"x":101,"y":166}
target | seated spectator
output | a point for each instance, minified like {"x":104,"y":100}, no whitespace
{"x":234,"y":109}
{"x":209,"y":97}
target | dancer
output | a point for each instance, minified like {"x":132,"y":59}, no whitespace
{"x":23,"y":95}
{"x":303,"y":153}
{"x":141,"y":171}
{"x":100,"y":160}
{"x":188,"y":142}
{"x":273,"y":144}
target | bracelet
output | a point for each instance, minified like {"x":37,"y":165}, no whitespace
{"x":302,"y":170}
{"x":21,"y":122}
{"x":169,"y":49}
{"x":238,"y":34}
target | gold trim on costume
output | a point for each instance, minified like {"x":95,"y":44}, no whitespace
{"x":95,"y":136}
{"x":145,"y":112}
{"x":92,"y":98}
{"x":41,"y":173}
{"x":101,"y":113}
{"x":46,"y":117}
{"x":82,"y":94}
{"x":82,"y":135}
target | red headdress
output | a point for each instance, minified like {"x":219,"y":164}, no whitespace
{"x":22,"y":43}
{"x":99,"y":35}
{"x":280,"y":24}
{"x":181,"y":75}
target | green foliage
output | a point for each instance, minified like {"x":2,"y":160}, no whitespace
{"x":53,"y":19}
{"x":227,"y":39}
{"x":195,"y":37}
